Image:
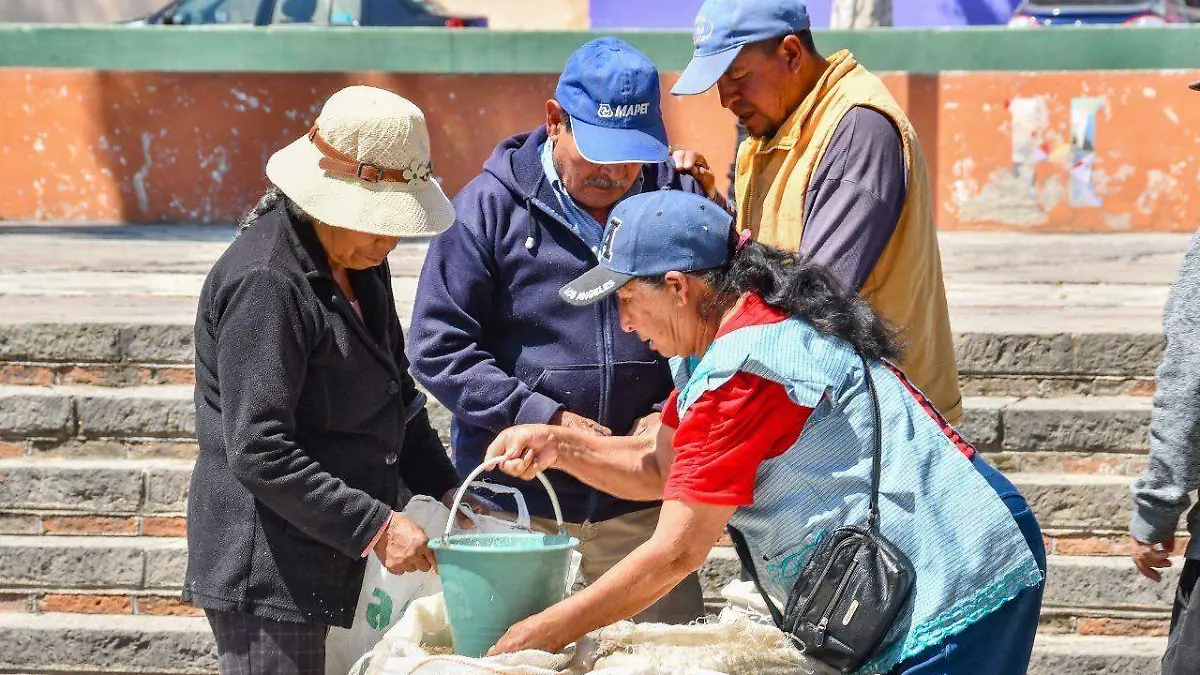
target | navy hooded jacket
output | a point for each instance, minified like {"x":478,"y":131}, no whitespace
{"x":493,"y":342}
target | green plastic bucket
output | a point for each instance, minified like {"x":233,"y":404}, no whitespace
{"x":492,"y":581}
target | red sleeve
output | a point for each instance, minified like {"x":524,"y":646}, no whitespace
{"x":724,"y":437}
{"x":670,"y":414}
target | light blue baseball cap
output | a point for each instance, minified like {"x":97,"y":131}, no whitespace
{"x":651,"y":234}
{"x":723,"y":27}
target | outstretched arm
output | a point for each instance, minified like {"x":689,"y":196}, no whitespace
{"x":686,"y":533}
{"x":629,"y":467}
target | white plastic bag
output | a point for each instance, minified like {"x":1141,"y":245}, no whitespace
{"x":744,"y":597}
{"x":385,"y":597}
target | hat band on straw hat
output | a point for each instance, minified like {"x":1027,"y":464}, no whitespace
{"x":339,"y":163}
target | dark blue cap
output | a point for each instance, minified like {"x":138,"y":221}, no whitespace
{"x":612,"y":94}
{"x":723,"y":27}
{"x":651,"y":234}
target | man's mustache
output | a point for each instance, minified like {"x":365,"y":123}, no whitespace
{"x":603,"y":183}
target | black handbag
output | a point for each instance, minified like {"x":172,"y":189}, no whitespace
{"x":852,"y":588}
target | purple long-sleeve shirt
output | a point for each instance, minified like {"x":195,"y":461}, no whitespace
{"x":856,"y":196}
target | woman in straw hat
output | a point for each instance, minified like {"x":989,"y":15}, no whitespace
{"x":311,"y":431}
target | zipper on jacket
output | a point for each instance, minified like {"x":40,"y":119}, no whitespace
{"x":593,"y":500}
{"x":606,"y":345}
{"x":606,"y":358}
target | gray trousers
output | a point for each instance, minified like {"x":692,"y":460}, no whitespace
{"x":252,"y":645}
{"x":1183,"y":645}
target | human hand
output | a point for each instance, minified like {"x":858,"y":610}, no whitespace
{"x":527,"y":450}
{"x":1149,"y":558}
{"x":566,"y":418}
{"x":532,"y":633}
{"x":648,"y":425}
{"x":694,"y":164}
{"x":404,"y":547}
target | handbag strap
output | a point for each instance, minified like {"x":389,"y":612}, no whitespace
{"x":743,"y":553}
{"x":877,"y":446}
{"x":739,"y":541}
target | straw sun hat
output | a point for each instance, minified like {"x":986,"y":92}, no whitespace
{"x":365,"y":166}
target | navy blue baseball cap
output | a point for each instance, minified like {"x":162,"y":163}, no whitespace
{"x":612,"y":94}
{"x":651,"y":234}
{"x":723,"y":27}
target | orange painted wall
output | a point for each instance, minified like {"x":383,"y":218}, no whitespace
{"x":154,"y":147}
{"x":1146,"y":151}
{"x":80,"y":145}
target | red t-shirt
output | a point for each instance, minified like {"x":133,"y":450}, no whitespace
{"x":730,"y":431}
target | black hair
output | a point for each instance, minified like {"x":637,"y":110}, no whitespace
{"x":566,"y":122}
{"x":271,"y":199}
{"x":793,"y":284}
{"x":806,"y":39}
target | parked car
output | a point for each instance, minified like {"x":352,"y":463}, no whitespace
{"x":309,"y":12}
{"x":1037,"y":13}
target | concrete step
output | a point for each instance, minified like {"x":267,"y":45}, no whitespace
{"x":81,"y":413}
{"x":74,"y":643}
{"x":94,"y":487}
{"x":142,"y":576}
{"x":1035,"y":315}
{"x":1096,"y":655}
{"x":1080,"y":514}
{"x":1077,"y":502}
{"x":84,"y":421}
{"x":164,"y":411}
{"x":122,"y":374}
{"x":87,"y":330}
{"x":158,"y":487}
{"x":149,"y":645}
{"x":1080,"y":424}
{"x":92,"y":563}
{"x":1085,"y":582}
{"x":157,"y":564}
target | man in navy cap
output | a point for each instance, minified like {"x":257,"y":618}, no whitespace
{"x":490,"y":338}
{"x":832,"y":168}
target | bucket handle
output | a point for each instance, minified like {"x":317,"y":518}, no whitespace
{"x":488,"y":466}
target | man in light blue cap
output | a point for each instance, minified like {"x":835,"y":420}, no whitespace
{"x":490,"y":338}
{"x":832,"y":168}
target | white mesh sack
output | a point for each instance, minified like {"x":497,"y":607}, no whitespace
{"x":732,"y":644}
{"x":419,"y":644}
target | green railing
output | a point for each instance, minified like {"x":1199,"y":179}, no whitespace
{"x":470,"y":51}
